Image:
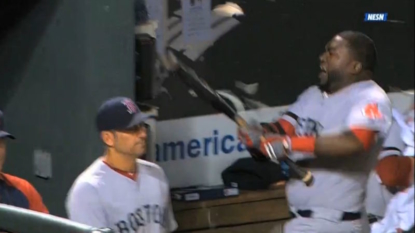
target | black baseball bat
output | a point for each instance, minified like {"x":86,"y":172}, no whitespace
{"x":201,"y":88}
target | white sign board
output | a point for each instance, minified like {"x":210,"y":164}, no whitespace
{"x":196,"y":20}
{"x":157,"y":11}
{"x":42,"y":164}
{"x":194,"y":151}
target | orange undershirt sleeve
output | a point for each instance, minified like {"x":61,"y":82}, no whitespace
{"x":307,"y":144}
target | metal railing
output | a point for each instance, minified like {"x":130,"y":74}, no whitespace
{"x":18,"y":220}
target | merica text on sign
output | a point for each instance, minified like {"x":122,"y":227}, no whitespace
{"x":376,"y":16}
{"x":211,"y":145}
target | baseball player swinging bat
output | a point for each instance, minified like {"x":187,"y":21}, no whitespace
{"x":206,"y":93}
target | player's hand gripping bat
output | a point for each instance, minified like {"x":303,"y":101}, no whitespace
{"x":189,"y":77}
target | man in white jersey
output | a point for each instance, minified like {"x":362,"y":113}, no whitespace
{"x":378,"y":195}
{"x":396,"y":173}
{"x":119,"y":190}
{"x":335,"y":130}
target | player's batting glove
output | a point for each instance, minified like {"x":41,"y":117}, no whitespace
{"x":250,"y":136}
{"x":275,"y":146}
{"x":268,"y":128}
{"x":263,"y":127}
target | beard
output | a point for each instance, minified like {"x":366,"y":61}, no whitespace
{"x":333,"y":78}
{"x":132,"y":152}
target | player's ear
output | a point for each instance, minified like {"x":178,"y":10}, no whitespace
{"x":108,"y":138}
{"x":357,"y":67}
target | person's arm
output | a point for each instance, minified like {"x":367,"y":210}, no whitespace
{"x":281,"y":127}
{"x":170,"y":221}
{"x":367,"y":120}
{"x":35,"y":200}
{"x":83,"y":205}
{"x":396,"y":171}
{"x":393,"y":145}
{"x":387,"y":222}
{"x":352,"y":142}
{"x":406,"y":216}
{"x":33,"y":197}
{"x":286,"y":125}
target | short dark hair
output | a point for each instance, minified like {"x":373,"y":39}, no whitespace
{"x":362,"y":47}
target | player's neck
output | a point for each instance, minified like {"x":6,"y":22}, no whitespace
{"x":121,"y":162}
{"x":339,"y":86}
{"x":335,"y":88}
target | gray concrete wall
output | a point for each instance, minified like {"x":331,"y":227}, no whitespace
{"x":57,"y":66}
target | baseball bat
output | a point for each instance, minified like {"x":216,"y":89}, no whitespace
{"x":189,"y":77}
{"x":14,"y":219}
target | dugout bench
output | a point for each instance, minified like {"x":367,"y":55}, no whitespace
{"x":251,"y":211}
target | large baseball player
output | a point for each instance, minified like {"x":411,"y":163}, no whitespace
{"x":118,"y":190}
{"x":336,"y":130}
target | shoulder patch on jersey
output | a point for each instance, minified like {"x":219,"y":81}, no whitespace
{"x":372,"y":111}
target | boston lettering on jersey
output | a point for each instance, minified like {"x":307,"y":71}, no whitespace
{"x":142,"y":217}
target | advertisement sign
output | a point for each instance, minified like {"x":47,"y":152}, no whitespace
{"x":194,"y":151}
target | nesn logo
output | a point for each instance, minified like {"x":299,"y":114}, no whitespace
{"x":376,"y":16}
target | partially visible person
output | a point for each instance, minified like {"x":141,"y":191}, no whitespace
{"x":119,"y":190}
{"x":335,"y":130}
{"x":406,"y":122}
{"x":377,"y":195}
{"x":397,"y":172}
{"x":14,"y":190}
{"x":396,"y":175}
{"x":400,"y":141}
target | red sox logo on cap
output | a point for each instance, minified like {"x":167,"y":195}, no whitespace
{"x":130,"y":105}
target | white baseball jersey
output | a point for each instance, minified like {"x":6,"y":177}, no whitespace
{"x":339,"y":183}
{"x":406,"y":122}
{"x":377,"y":196}
{"x":399,"y":214}
{"x":409,"y":136}
{"x":102,"y":197}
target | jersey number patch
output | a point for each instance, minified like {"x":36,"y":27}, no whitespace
{"x":371,"y":111}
